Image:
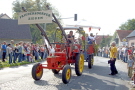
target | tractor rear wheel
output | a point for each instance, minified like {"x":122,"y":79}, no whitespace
{"x":89,"y":62}
{"x":37,"y":71}
{"x":66,"y":74}
{"x":55,"y":71}
{"x":79,"y":64}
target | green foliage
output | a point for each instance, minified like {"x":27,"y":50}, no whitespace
{"x":96,"y":49}
{"x":129,"y":25}
{"x":81,"y":32}
{"x":36,"y":5}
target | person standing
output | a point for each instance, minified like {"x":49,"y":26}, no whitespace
{"x":113,"y":56}
{"x":92,"y":38}
{"x":20,"y":52}
{"x":9,"y":53}
{"x":16,"y":53}
{"x":28,"y":53}
{"x":3,"y":48}
{"x":130,"y":63}
{"x":42,"y":50}
{"x":129,"y":51}
{"x":125,"y":54}
{"x":36,"y":52}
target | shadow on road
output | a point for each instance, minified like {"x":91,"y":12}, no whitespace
{"x":41,"y":82}
{"x":96,"y":78}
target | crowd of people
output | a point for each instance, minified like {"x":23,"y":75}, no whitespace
{"x":124,"y":53}
{"x":22,"y":51}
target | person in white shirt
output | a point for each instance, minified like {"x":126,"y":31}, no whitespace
{"x":125,"y":53}
{"x":9,"y":53}
{"x":92,"y":38}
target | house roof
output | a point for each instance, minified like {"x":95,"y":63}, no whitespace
{"x":123,"y":33}
{"x":132,"y":34}
{"x":9,"y":29}
{"x":1,"y":16}
{"x":99,"y":38}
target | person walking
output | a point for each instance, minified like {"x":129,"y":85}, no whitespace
{"x":113,"y":56}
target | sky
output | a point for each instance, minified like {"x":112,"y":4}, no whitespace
{"x":107,"y":14}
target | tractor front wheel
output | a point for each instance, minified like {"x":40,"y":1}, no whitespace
{"x":66,"y":74}
{"x":79,"y":64}
{"x":37,"y":71}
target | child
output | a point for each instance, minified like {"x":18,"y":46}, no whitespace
{"x":133,"y":76}
{"x":31,"y":58}
{"x":130,"y":63}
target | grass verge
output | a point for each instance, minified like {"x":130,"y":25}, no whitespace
{"x":6,"y":64}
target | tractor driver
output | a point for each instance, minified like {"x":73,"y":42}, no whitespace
{"x":70,"y":37}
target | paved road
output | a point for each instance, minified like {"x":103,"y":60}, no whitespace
{"x":97,"y":78}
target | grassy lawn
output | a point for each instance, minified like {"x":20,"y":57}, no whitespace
{"x":6,"y":64}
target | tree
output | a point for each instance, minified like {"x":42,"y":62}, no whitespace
{"x":36,"y":5}
{"x":105,"y":41}
{"x":129,"y":25}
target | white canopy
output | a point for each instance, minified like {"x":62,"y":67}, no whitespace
{"x":85,"y":24}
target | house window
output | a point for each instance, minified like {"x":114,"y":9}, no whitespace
{"x":132,"y":44}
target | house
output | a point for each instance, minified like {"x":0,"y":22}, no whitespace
{"x":10,"y":30}
{"x":100,"y":37}
{"x":131,"y":38}
{"x":4,"y":16}
{"x":121,"y":37}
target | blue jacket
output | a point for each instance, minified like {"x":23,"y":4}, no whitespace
{"x":4,"y":47}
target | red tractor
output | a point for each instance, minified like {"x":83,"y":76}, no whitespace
{"x":62,"y":58}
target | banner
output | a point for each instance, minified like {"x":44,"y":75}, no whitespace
{"x":35,"y":17}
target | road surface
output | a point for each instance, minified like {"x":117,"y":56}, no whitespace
{"x":97,"y":78}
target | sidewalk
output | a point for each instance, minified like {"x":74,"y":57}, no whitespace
{"x":123,"y":73}
{"x":124,"y":76}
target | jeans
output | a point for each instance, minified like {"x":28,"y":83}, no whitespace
{"x":42,"y":55}
{"x":45,"y":55}
{"x":36,"y":55}
{"x":10,"y":58}
{"x":15,"y":56}
{"x":125,"y":58}
{"x":28,"y":58}
{"x":20,"y":57}
{"x":3,"y":56}
{"x":121,"y":57}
